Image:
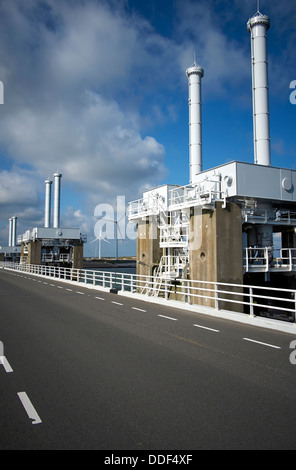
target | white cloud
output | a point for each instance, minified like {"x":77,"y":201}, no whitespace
{"x":71,"y":120}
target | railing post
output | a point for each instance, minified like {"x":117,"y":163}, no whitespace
{"x":188,"y":291}
{"x":251,"y":302}
{"x":216,"y":297}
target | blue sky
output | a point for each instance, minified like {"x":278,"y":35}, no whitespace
{"x":97,"y":90}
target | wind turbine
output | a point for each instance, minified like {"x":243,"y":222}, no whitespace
{"x":100,"y":238}
{"x":117,"y":229}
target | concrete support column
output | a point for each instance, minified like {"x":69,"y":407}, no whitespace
{"x":34,"y":252}
{"x":77,"y":257}
{"x":215,"y":251}
{"x":148,"y":250}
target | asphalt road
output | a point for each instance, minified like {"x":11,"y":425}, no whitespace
{"x":83,"y":369}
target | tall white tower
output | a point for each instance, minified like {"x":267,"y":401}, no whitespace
{"x":57,"y":199}
{"x":13,"y":236}
{"x":10,"y":232}
{"x":258,"y":26}
{"x":195,"y":74}
{"x":47,"y":214}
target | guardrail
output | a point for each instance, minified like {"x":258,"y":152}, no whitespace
{"x":270,"y":302}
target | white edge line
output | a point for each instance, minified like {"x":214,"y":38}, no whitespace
{"x":207,"y":328}
{"x":263,"y":344}
{"x":5,"y":364}
{"x":31,"y":412}
{"x":169,"y":318}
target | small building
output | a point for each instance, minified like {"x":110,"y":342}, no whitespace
{"x":56,"y":245}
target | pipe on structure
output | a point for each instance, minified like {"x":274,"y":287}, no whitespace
{"x":47,"y":215}
{"x":194,"y":75}
{"x":10,"y":233}
{"x":258,"y":26}
{"x":57,"y":199}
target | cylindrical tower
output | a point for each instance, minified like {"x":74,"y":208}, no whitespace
{"x":258,"y":26}
{"x":13,"y":236}
{"x":47,"y":214}
{"x":195,"y":74}
{"x":57,"y":201}
{"x":10,"y":233}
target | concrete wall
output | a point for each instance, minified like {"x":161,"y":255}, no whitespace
{"x":148,"y":250}
{"x":215,"y":249}
{"x":34,"y":252}
{"x":77,"y":257}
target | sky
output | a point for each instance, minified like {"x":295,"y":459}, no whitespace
{"x":97,"y":90}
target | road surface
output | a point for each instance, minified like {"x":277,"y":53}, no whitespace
{"x":84,"y":369}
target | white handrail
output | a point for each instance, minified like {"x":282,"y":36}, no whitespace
{"x":251,"y":297}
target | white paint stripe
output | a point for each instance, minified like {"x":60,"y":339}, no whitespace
{"x":81,"y":293}
{"x":139,"y":309}
{"x":264,"y":344}
{"x":99,"y":298}
{"x":116,"y":303}
{"x":70,"y":290}
{"x":31,"y":412}
{"x":5,"y":364}
{"x":207,"y":328}
{"x":60,"y":287}
{"x":168,"y":318}
{"x":44,"y":282}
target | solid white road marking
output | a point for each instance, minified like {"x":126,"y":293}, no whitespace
{"x":70,"y":290}
{"x":116,"y":303}
{"x":169,"y":318}
{"x":99,"y":298}
{"x":81,"y":293}
{"x":207,"y":328}
{"x":5,"y":364}
{"x":263,"y":344}
{"x":31,"y":412}
{"x":139,"y":309}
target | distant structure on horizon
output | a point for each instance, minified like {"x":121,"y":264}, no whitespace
{"x":52,"y":245}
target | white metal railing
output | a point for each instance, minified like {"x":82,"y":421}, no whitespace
{"x":205,"y":192}
{"x":253,"y":300}
{"x":150,"y":205}
{"x":174,"y":235}
{"x":275,"y":217}
{"x":267,"y":259}
{"x":199,"y":194}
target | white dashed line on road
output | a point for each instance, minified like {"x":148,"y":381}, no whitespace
{"x":207,"y":328}
{"x":263,"y":344}
{"x":30,"y":410}
{"x":168,"y":318}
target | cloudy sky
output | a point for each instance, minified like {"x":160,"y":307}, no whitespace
{"x":97,"y":90}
